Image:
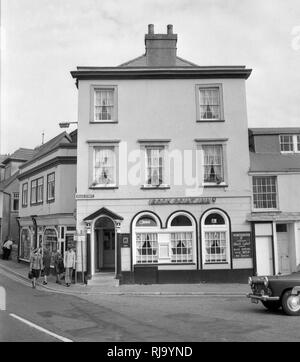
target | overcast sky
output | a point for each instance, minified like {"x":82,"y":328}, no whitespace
{"x":43,"y":40}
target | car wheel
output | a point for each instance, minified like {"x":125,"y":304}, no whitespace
{"x":291,"y":303}
{"x":275,"y":305}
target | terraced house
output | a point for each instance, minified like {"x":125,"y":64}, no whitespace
{"x":145,"y":129}
{"x":275,"y":217}
{"x":47,"y":196}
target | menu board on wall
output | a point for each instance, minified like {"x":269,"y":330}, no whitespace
{"x":241,"y":245}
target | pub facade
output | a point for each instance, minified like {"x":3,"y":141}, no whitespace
{"x":163,"y":189}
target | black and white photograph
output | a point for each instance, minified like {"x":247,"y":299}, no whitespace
{"x":149,"y":174}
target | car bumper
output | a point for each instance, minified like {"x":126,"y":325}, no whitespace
{"x":264,"y":298}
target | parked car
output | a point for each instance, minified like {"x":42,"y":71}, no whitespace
{"x":277,"y":291}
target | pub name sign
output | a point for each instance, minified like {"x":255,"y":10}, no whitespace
{"x":183,"y":200}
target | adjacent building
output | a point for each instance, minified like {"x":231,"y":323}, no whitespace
{"x":275,"y":216}
{"x":145,"y":128}
{"x":9,"y":193}
{"x":47,"y":184}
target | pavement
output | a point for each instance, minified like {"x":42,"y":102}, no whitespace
{"x":106,"y":284}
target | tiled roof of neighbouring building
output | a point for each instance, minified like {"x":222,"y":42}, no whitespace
{"x":274,"y":162}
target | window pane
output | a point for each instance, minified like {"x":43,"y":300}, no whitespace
{"x":215,"y":247}
{"x":154,"y":166}
{"x":286,"y":143}
{"x":104,"y":103}
{"x":264,"y":192}
{"x":146,"y":248}
{"x":104,"y":166}
{"x":213,"y":163}
{"x":209,"y":103}
{"x":182,"y":247}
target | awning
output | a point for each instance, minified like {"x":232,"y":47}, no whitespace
{"x":274,"y":216}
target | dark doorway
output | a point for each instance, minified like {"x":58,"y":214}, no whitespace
{"x":104,"y":245}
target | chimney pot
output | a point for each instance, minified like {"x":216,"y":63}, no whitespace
{"x":170,"y":29}
{"x":150,"y":29}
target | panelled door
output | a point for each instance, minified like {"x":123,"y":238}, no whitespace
{"x":108,"y":248}
{"x":264,"y":255}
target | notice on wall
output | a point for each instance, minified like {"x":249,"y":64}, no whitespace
{"x":241,"y":245}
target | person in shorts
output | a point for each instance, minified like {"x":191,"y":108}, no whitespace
{"x":36,"y":265}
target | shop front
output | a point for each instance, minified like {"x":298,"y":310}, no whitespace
{"x":177,"y":247}
{"x":277,"y":243}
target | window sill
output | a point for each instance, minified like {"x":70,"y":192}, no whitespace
{"x":101,"y":122}
{"x":103,"y":187}
{"x":215,"y":185}
{"x":223,"y":263}
{"x":266,"y":210}
{"x":50,"y":201}
{"x":209,"y":120}
{"x":36,"y":203}
{"x":160,"y":187}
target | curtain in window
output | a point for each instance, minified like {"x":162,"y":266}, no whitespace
{"x":104,"y":103}
{"x":209,"y":103}
{"x":213,"y":163}
{"x":104,"y":166}
{"x":154,"y":166}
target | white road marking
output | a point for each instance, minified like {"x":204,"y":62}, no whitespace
{"x":61,"y":338}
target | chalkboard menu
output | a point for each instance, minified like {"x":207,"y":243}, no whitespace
{"x":241,"y":245}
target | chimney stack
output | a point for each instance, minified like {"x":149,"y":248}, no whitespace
{"x":161,"y":48}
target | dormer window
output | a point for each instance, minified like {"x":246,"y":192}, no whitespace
{"x":289,"y":143}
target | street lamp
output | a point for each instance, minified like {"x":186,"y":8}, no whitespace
{"x":66,"y":124}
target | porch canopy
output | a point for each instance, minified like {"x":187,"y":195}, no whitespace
{"x":103,"y":212}
{"x":274,"y":216}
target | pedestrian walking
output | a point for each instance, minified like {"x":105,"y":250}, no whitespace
{"x":58,"y":265}
{"x":46,"y":265}
{"x":6,"y":248}
{"x":36,"y":265}
{"x":70,"y":264}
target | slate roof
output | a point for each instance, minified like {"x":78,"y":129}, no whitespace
{"x":62,"y":138}
{"x":274,"y":130}
{"x":141,"y":62}
{"x":21,"y":154}
{"x":274,"y":162}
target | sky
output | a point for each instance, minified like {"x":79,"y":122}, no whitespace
{"x":43,"y":40}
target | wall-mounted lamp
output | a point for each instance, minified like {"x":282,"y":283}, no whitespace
{"x":66,"y":124}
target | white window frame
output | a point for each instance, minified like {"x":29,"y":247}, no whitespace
{"x":294,"y":143}
{"x":112,"y":147}
{"x":165,"y":164}
{"x":200,"y":87}
{"x":215,"y":228}
{"x":277,"y":199}
{"x":200,"y":161}
{"x":114,"y":115}
{"x":144,"y":230}
{"x":24,"y":194}
{"x":49,"y":182}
